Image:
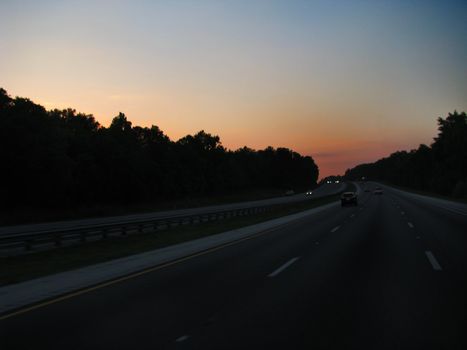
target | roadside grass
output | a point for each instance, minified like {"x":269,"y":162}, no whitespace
{"x":14,"y":269}
{"x":426,"y":193}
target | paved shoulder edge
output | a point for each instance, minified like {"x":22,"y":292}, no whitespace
{"x":19,"y":295}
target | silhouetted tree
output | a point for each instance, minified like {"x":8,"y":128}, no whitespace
{"x":441,"y":167}
{"x":65,"y":159}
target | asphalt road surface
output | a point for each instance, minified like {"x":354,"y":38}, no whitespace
{"x":390,"y":273}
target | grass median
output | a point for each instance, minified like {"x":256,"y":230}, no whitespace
{"x":20,"y":268}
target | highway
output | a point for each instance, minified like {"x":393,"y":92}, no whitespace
{"x":321,"y":191}
{"x":390,"y":273}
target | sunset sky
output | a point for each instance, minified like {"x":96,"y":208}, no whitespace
{"x":343,"y":81}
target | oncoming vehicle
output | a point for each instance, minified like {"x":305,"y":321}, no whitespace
{"x":309,"y":192}
{"x":349,"y":198}
{"x":378,"y":190}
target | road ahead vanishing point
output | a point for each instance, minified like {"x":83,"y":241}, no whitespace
{"x":390,"y":273}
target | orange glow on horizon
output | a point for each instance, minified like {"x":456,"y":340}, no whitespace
{"x":334,"y":150}
{"x":344,"y":83}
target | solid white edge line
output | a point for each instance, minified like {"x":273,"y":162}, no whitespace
{"x":283,"y":267}
{"x":335,"y":229}
{"x":433,"y":261}
{"x":410,"y":225}
{"x":182,"y":338}
{"x":452,"y":210}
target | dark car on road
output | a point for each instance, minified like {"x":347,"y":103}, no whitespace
{"x":378,"y":190}
{"x":349,"y":198}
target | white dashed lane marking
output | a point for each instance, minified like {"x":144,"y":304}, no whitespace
{"x":434,"y":263}
{"x":283,"y":267}
{"x":182,"y":338}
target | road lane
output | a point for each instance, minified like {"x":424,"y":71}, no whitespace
{"x":356,"y":290}
{"x":172,"y":300}
{"x":368,"y":285}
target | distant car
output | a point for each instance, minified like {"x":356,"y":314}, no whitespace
{"x":289,"y":192}
{"x":378,"y":190}
{"x":337,"y":181}
{"x":309,"y":193}
{"x":349,"y":198}
{"x":328,"y":182}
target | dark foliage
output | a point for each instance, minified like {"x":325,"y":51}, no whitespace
{"x":440,"y":168}
{"x":65,"y":159}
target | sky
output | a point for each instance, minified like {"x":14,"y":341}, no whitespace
{"x":345,"y":82}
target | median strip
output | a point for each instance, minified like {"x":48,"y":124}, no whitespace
{"x":68,"y":284}
{"x":14,"y":269}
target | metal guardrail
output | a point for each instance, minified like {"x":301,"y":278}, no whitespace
{"x":24,"y":242}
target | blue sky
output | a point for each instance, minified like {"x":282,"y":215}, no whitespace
{"x":343,"y":81}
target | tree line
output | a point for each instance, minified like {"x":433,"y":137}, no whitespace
{"x":64,"y":159}
{"x":440,"y":167}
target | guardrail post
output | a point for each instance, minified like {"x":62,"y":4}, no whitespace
{"x":105,"y":233}
{"x":140,"y":228}
{"x":123,"y":230}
